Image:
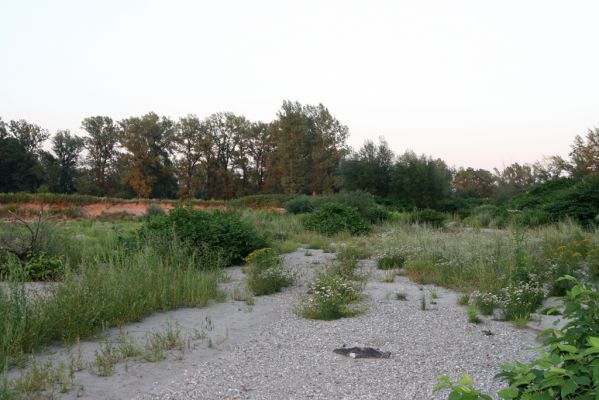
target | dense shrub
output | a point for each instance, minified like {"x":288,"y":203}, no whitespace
{"x":333,"y":218}
{"x":428,"y":217}
{"x":220,"y":230}
{"x":364,"y":202}
{"x":562,"y":198}
{"x":265,"y":272}
{"x":487,"y":216}
{"x":303,"y":204}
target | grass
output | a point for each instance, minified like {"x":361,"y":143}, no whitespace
{"x":401,"y":296}
{"x":473,"y":317}
{"x":266,"y":273}
{"x":389,"y":276}
{"x":117,"y":285}
{"x":423,"y":302}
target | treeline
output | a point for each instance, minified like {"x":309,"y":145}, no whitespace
{"x":227,"y":156}
{"x":220,"y":157}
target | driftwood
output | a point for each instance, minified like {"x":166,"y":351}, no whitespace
{"x":362,"y":352}
{"x":22,"y":246}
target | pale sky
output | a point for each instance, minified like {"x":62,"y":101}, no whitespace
{"x":477,"y":83}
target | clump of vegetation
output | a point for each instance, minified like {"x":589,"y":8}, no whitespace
{"x":218,"y":230}
{"x":427,"y":216}
{"x":333,"y":218}
{"x":391,"y":260}
{"x":329,"y":297}
{"x":473,"y":315}
{"x":401,"y":296}
{"x":303,"y":204}
{"x":265,"y":272}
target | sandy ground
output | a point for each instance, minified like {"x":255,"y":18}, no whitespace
{"x":266,"y":351}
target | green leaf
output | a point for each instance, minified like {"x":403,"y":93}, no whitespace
{"x":508,"y":393}
{"x":568,"y":388}
{"x":567,"y":348}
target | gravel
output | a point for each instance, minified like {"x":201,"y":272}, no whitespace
{"x":282,"y":356}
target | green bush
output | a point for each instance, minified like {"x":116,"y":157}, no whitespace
{"x":41,"y":267}
{"x":333,"y":218}
{"x":216,"y":230}
{"x":364,"y":202}
{"x":303,"y":204}
{"x":429,"y":217}
{"x":265,"y":273}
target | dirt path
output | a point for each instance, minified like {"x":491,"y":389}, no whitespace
{"x":265,"y":351}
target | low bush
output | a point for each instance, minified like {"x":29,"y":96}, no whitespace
{"x":430,"y":217}
{"x":364,"y":202}
{"x":303,"y":204}
{"x":333,"y":218}
{"x":329,"y":297}
{"x":217,"y":230}
{"x":265,"y":272}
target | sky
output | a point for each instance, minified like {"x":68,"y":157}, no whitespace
{"x":477,"y":83}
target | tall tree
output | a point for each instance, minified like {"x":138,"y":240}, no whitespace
{"x":147,"y":165}
{"x":20,"y":170}
{"x":369,"y":168}
{"x":474,"y":183}
{"x":30,"y":136}
{"x":66,"y":148}
{"x":584,"y":156}
{"x":3,"y":129}
{"x":101,"y":146}
{"x":310,"y":143}
{"x":191,"y":143}
{"x":420,"y":181}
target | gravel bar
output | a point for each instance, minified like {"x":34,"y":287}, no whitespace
{"x":283,"y":356}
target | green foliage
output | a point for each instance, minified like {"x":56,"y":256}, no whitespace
{"x":265,"y":273}
{"x":473,"y":317}
{"x":365,"y":203}
{"x":216,"y":230}
{"x":41,"y":267}
{"x":561,"y":198}
{"x":115,"y":286}
{"x":390,"y":261}
{"x":429,"y":217}
{"x":303,"y":204}
{"x":333,"y":218}
{"x":462,"y":389}
{"x":329,"y":297}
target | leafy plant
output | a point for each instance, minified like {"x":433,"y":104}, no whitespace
{"x":265,"y":273}
{"x":335,"y":217}
{"x":217,"y":229}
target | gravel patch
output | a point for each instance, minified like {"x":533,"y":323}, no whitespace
{"x":282,"y":356}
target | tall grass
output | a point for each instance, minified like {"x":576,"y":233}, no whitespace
{"x":106,"y":290}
